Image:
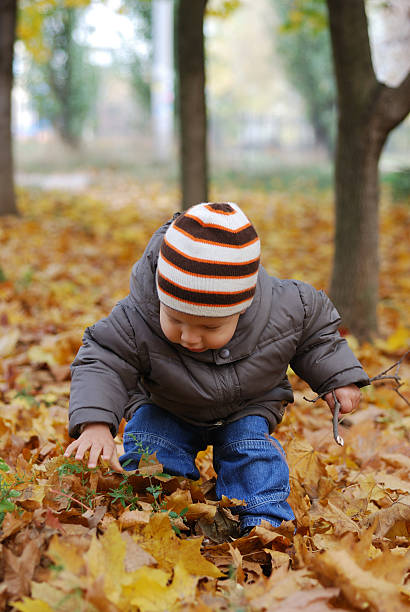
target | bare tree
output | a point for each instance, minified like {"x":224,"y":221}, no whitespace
{"x":8,"y":12}
{"x":368,"y":111}
{"x":192,"y":108}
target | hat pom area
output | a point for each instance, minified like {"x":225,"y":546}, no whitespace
{"x":209,"y":260}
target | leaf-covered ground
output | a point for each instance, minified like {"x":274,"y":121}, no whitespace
{"x":91,"y":540}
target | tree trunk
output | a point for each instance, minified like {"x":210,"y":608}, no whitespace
{"x":8,"y":12}
{"x":192,"y":108}
{"x":368,"y":111}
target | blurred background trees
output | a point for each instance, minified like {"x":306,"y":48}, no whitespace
{"x":8,"y":15}
{"x":64,"y":88}
{"x":119,"y":85}
{"x":368,"y":111}
{"x":304,"y":47}
{"x":191,"y":101}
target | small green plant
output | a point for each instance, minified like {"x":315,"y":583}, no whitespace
{"x":26,"y":279}
{"x":68,"y":468}
{"x":7,"y":491}
{"x":124,"y":494}
{"x":156,"y":490}
{"x":175,"y":515}
{"x":26,"y":394}
{"x":145,"y":461}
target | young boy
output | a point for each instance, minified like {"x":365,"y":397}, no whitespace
{"x":197,"y":354}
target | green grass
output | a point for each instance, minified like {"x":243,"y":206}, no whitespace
{"x":277,"y":178}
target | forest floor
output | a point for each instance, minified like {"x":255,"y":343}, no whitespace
{"x":72,"y":538}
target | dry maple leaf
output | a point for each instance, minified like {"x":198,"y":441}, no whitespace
{"x":306,"y":465}
{"x":387,"y":518}
{"x":19,"y":570}
{"x":365,"y":583}
{"x":159,"y":539}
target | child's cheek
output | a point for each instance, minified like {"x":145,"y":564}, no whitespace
{"x":168,"y":330}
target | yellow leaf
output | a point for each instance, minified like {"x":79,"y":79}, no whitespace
{"x":105,"y":557}
{"x":306,"y":465}
{"x":54,"y":597}
{"x":32,"y":605}
{"x":8,"y":342}
{"x":151,"y":592}
{"x":65,"y":555}
{"x":168,"y":550}
{"x":37,"y":354}
{"x":400,"y":339}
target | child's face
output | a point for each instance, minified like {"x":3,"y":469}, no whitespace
{"x":197,"y":334}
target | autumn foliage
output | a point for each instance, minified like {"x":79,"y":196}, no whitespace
{"x":74,"y":538}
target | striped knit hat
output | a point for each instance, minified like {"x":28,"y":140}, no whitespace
{"x":208,"y":262}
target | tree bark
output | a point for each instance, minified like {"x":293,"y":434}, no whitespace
{"x":367,"y":112}
{"x":192,"y":107}
{"x":8,"y":12}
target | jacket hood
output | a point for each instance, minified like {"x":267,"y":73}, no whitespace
{"x":250,"y":325}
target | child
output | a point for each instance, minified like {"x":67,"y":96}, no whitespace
{"x":197,"y":354}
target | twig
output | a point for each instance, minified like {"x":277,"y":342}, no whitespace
{"x":381,"y":376}
{"x":338,"y":438}
{"x":395,"y":377}
{"x":336,"y":411}
{"x":72,"y":499}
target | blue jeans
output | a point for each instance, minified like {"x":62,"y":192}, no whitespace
{"x":250,"y":464}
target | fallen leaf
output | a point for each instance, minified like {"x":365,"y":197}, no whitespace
{"x":201,"y":511}
{"x":305,"y":465}
{"x":151,"y":591}
{"x":135,"y":555}
{"x":32,"y":605}
{"x":160,"y":540}
{"x":131,"y":518}
{"x":363,"y":583}
{"x":314,"y":600}
{"x":19,"y":570}
{"x":386,"y":518}
{"x":8,"y":342}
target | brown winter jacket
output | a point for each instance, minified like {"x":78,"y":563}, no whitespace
{"x":126,"y":360}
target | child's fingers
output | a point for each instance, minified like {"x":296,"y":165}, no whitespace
{"x":71,"y":448}
{"x":82,"y":448}
{"x":108,"y":450}
{"x":349,"y":399}
{"x":95,"y":451}
{"x":114,"y":463}
{"x":110,"y":454}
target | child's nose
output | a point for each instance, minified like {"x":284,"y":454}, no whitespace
{"x":190,"y":335}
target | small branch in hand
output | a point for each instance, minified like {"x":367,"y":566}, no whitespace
{"x":336,"y":411}
{"x":338,"y":438}
{"x":382,"y":376}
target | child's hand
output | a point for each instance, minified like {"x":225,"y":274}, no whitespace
{"x":349,"y":398}
{"x":96,"y":438}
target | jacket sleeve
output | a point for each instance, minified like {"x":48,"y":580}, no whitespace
{"x":104,"y":371}
{"x":323,"y":358}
